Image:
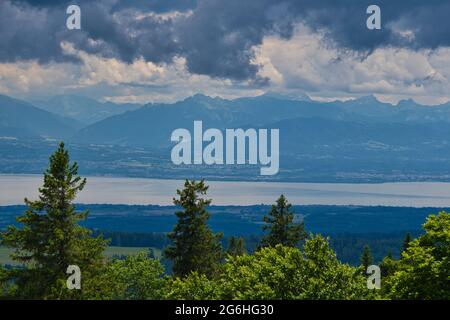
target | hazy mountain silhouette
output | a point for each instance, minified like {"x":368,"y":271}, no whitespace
{"x":21,"y":119}
{"x":364,"y":119}
{"x":356,"y":140}
{"x":83,"y":109}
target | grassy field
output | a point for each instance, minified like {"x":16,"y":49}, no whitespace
{"x":109,"y":252}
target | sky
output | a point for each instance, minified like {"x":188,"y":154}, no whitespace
{"x":165,"y":50}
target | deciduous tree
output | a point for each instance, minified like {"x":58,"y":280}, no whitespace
{"x":423,"y":272}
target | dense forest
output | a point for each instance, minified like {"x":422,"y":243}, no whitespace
{"x":348,"y":246}
{"x":286,"y":261}
{"x":350,"y":228}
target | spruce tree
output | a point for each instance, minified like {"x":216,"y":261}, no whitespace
{"x":366,"y":258}
{"x":49,"y":238}
{"x":194,"y":246}
{"x":389,"y":255}
{"x":406,"y":241}
{"x":236,"y":246}
{"x":388,"y":265}
{"x":281,"y":226}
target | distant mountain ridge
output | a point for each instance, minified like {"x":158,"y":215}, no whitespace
{"x":21,"y":119}
{"x":356,"y":140}
{"x":152,"y":124}
{"x":83,"y":109}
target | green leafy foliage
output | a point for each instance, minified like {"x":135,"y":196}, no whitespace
{"x":423,"y":272}
{"x":194,"y":287}
{"x":136,"y":277}
{"x":388,"y":266}
{"x":4,"y":287}
{"x":280,"y":272}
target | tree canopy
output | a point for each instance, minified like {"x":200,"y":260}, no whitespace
{"x":423,"y":272}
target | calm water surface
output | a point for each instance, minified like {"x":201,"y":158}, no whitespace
{"x":13,"y":188}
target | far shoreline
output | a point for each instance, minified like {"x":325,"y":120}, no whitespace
{"x":137,"y":191}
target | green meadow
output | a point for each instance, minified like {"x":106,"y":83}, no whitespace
{"x":110,"y":252}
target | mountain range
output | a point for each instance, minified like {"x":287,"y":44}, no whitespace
{"x":360,"y":137}
{"x":85,"y":120}
{"x":82,"y":109}
{"x":365,"y":119}
{"x":21,"y":119}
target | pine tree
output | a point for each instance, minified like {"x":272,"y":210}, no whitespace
{"x":388,"y":265}
{"x":282,"y":229}
{"x":366,"y":258}
{"x":194,"y":246}
{"x":50,"y":238}
{"x":236,"y":246}
{"x":406,"y":241}
{"x":389,"y":255}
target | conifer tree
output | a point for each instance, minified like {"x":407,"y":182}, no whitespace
{"x":194,"y":246}
{"x":389,"y":255}
{"x":366,"y":258}
{"x":3,"y":282}
{"x":236,"y":246}
{"x":281,"y":226}
{"x":49,"y":238}
{"x":388,"y":265}
{"x":406,"y":241}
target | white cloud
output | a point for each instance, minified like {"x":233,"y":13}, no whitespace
{"x":304,"y":63}
{"x":307,"y":63}
{"x":32,"y":78}
{"x":112,"y":79}
{"x":95,"y":69}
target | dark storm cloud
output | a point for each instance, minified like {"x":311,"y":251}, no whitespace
{"x":157,"y":6}
{"x":42,"y":3}
{"x":220,"y":36}
{"x":215,"y":36}
{"x":29,"y":34}
{"x":344,"y":22}
{"x":37,"y":31}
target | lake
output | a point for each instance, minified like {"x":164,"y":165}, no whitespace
{"x":119,"y":190}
